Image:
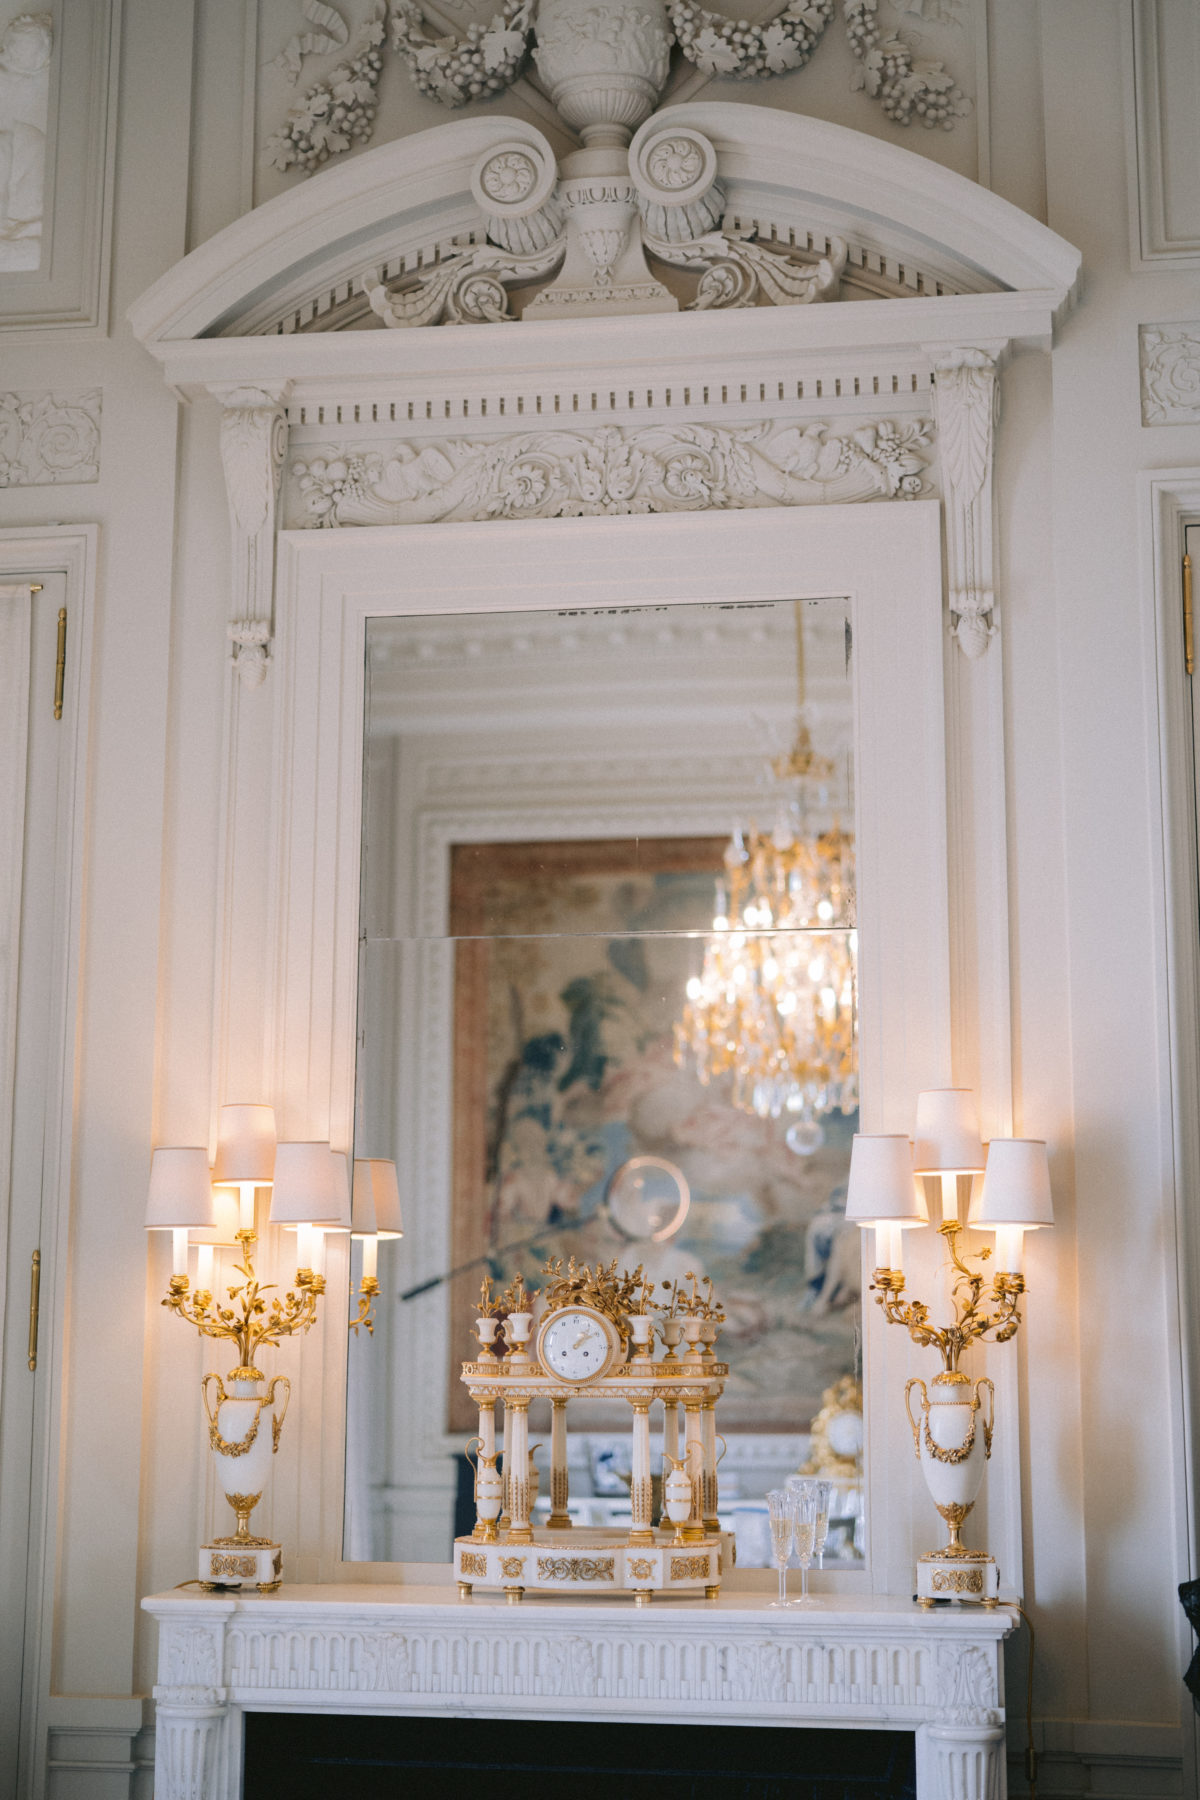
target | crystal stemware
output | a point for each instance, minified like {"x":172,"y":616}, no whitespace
{"x":824,"y":1499}
{"x":805,"y":1501}
{"x":779,"y":1513}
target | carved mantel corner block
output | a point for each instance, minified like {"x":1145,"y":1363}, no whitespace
{"x":966,"y":398}
{"x":254,"y":436}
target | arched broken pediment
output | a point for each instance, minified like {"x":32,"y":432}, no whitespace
{"x":474,"y":201}
{"x":739,"y":307}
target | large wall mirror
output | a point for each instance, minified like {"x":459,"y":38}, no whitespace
{"x":608,"y":1009}
{"x":511,"y":762}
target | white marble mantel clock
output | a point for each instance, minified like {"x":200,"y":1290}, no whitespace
{"x":596,"y":1341}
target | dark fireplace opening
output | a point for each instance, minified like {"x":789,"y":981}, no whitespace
{"x":290,"y":1756}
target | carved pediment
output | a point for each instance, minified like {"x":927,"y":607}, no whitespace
{"x":719,"y":205}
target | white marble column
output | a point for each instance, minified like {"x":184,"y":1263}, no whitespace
{"x":641,"y":1489}
{"x":516,"y":1461}
{"x":708,"y":1465}
{"x":693,"y":1450}
{"x":961,"y":1761}
{"x":559,"y":1518}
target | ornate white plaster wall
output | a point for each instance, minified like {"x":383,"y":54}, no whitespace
{"x":1108,"y":1519}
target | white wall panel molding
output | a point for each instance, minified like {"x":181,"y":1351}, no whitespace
{"x":49,"y":438}
{"x":68,"y":291}
{"x":1082,"y":1757}
{"x":97,"y":1746}
{"x":1169,"y":357}
{"x":1163,"y":133}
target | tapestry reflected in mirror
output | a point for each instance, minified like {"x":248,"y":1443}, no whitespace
{"x":607,"y":1011}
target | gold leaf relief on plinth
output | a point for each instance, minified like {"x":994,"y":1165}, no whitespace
{"x":575,"y":1568}
{"x":958,"y":1581}
{"x":233,"y":1565}
{"x":471,"y":1563}
{"x":689,"y":1568}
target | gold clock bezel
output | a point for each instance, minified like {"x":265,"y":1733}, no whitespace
{"x":616,"y":1344}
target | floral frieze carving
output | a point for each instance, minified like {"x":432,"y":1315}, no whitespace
{"x":1170,"y":358}
{"x":49,"y":438}
{"x":649,"y":469}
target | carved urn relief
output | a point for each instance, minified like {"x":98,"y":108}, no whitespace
{"x":605,"y":65}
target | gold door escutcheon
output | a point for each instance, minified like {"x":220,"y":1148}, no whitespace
{"x":35,"y":1289}
{"x":60,"y":662}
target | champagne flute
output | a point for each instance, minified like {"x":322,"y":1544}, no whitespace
{"x":805,"y":1501}
{"x":779,"y":1513}
{"x":824,"y":1501}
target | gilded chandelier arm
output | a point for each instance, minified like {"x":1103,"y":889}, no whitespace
{"x":971,"y":1323}
{"x":252,"y":1323}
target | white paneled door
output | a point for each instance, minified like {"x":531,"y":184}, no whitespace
{"x":35,"y":759}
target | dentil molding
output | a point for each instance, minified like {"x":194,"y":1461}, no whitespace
{"x":46,"y":439}
{"x":616,"y":470}
{"x":1170,"y":368}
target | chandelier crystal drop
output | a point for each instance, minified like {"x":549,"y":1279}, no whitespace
{"x":773,"y":1007}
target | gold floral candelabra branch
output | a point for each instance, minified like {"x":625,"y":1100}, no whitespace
{"x":490,"y":1303}
{"x":971,"y":1321}
{"x":366,"y":1296}
{"x":252,"y":1321}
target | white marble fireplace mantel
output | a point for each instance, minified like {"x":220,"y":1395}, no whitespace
{"x":864,"y":1662}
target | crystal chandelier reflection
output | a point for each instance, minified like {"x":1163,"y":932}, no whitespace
{"x":773,"y":1007}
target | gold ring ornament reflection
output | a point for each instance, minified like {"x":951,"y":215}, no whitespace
{"x":884,"y":1194}
{"x":647,"y":1199}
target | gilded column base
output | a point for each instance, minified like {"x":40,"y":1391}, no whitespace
{"x":558,"y":1522}
{"x":519,"y":1534}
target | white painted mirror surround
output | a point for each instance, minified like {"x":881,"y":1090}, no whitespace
{"x":887,"y":558}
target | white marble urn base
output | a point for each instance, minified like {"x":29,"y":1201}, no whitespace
{"x":228,"y":1563}
{"x":972,"y":1575}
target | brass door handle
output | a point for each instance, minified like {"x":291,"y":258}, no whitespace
{"x":35,"y":1288}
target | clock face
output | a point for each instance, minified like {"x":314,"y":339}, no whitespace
{"x":577,"y":1344}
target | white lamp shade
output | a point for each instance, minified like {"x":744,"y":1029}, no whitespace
{"x":180,"y":1190}
{"x":305,"y":1190}
{"x":882,"y":1188}
{"x":1016,"y":1185}
{"x":341,"y":1187}
{"x":947,"y":1140}
{"x":245,"y":1146}
{"x":376,"y":1199}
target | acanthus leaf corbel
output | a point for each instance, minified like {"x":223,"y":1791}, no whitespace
{"x":966,"y":406}
{"x":254,"y":438}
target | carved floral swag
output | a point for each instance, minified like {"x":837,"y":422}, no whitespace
{"x":340,"y":110}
